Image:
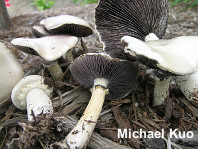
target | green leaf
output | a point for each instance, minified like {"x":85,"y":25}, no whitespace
{"x":43,"y":4}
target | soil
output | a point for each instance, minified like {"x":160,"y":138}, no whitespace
{"x":134,"y":111}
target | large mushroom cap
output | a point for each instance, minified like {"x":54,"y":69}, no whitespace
{"x":49,"y":48}
{"x":137,"y":18}
{"x":67,"y":24}
{"x":121,"y":75}
{"x":178,"y":55}
{"x":10,"y":71}
{"x":26,"y":84}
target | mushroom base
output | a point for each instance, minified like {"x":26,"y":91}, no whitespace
{"x":188,"y":85}
{"x":160,"y":91}
{"x":38,"y":103}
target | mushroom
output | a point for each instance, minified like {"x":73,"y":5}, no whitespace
{"x":50,"y":48}
{"x":39,"y":31}
{"x":10,"y":71}
{"x":136,"y":18}
{"x":68,"y":24}
{"x":107,"y":77}
{"x":169,"y":57}
{"x":32,"y":94}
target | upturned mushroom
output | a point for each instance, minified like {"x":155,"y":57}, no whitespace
{"x":50,"y":48}
{"x":107,"y":77}
{"x":10,"y":71}
{"x":32,"y":94}
{"x":169,"y":57}
{"x":115,"y":19}
{"x":137,"y":18}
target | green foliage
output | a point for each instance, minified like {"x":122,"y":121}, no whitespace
{"x":43,"y":4}
{"x":85,"y":1}
{"x":189,"y":2}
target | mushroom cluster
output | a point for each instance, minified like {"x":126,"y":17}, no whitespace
{"x":142,"y":20}
{"x":111,"y":77}
{"x":139,"y":26}
{"x":172,"y":57}
{"x":55,"y":37}
{"x":130,"y":30}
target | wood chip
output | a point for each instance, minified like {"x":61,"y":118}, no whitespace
{"x":192,"y":109}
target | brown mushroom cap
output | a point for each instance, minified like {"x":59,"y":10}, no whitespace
{"x":49,"y":48}
{"x":137,"y":18}
{"x":67,"y":24}
{"x":120,"y":74}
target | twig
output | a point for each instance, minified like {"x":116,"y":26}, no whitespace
{"x":4,"y":139}
{"x":65,"y":72}
{"x":139,"y":124}
{"x":192,"y":109}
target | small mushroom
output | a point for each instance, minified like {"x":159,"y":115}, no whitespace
{"x":107,"y":77}
{"x":39,"y":31}
{"x":10,"y":71}
{"x":50,"y":48}
{"x":67,"y":24}
{"x":169,"y":57}
{"x":32,"y":94}
{"x":137,"y":18}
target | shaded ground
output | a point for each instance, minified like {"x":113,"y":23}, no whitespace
{"x":133,"y":112}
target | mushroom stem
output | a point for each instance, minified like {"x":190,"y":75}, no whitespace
{"x":54,"y":69}
{"x":38,"y":103}
{"x":85,"y":49}
{"x":69,"y":56}
{"x":161,"y":87}
{"x":188,"y":85}
{"x":160,"y":91}
{"x":81,"y":133}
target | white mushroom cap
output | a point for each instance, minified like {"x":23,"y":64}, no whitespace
{"x":10,"y":71}
{"x":26,"y":84}
{"x":42,"y":22}
{"x":67,"y":24}
{"x":177,"y":55}
{"x":39,"y":31}
{"x":56,"y":21}
{"x":49,"y":48}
